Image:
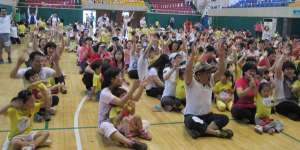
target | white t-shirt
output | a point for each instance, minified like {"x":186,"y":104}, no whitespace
{"x":255,"y":54}
{"x":133,"y":62}
{"x":198,"y":97}
{"x":44,"y":74}
{"x":152,"y":71}
{"x":100,"y":19}
{"x":126,"y":21}
{"x":142,"y":66}
{"x":226,"y":61}
{"x":14,"y":32}
{"x":54,"y":21}
{"x":278,"y":91}
{"x":142,"y":23}
{"x":104,"y":104}
{"x":170,"y":84}
{"x":80,"y":28}
{"x":5,"y":24}
{"x":178,"y":36}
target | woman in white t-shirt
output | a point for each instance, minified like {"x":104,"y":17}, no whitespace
{"x":134,"y":56}
{"x":14,"y":33}
{"x":112,"y":80}
{"x":266,"y":31}
{"x":156,"y":70}
{"x":169,"y":75}
{"x":142,"y":22}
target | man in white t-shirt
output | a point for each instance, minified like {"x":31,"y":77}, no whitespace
{"x":53,"y":19}
{"x":5,"y":31}
{"x":142,"y":22}
{"x":198,"y":116}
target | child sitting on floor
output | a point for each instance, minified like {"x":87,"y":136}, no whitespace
{"x":223,"y":92}
{"x":263,"y":119}
{"x":123,"y":122}
{"x":20,"y":111}
{"x":97,"y":83}
{"x":180,"y":97}
{"x":35,"y":85}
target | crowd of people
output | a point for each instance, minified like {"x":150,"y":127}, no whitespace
{"x":185,"y":68}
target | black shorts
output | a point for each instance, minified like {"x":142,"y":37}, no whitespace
{"x":22,"y":35}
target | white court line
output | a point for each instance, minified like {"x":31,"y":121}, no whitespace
{"x":77,"y":136}
{"x":6,"y":143}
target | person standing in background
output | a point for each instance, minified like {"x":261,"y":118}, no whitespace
{"x":5,"y":31}
{"x":257,"y":29}
{"x":188,"y":25}
{"x":172,"y":21}
{"x":92,"y":20}
{"x":17,"y":17}
{"x":143,"y":22}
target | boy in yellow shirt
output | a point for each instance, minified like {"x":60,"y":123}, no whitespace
{"x":129,"y":30}
{"x":137,"y":30}
{"x":152,"y":30}
{"x":21,"y":31}
{"x":97,"y":79}
{"x":35,"y":85}
{"x":97,"y":38}
{"x":156,"y":24}
{"x":223,"y":91}
{"x":105,"y":36}
{"x":146,"y":30}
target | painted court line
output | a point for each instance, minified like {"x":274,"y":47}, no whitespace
{"x":77,"y":136}
{"x":6,"y":143}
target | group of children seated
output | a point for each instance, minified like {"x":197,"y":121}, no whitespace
{"x":158,"y":60}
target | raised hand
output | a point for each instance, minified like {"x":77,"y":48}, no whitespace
{"x":265,"y":53}
{"x":61,"y":32}
{"x":56,"y":57}
{"x":287,"y":38}
{"x":21,"y":60}
{"x":136,"y":84}
{"x":36,"y":6}
{"x":35,"y":31}
{"x":26,"y":51}
{"x":221,"y":50}
{"x":252,"y":83}
{"x":147,"y":81}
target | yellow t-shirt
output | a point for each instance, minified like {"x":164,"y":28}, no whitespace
{"x":61,"y":25}
{"x":65,"y":39}
{"x":156,"y":23}
{"x":32,"y":26}
{"x":137,"y":30}
{"x":97,"y":39}
{"x":261,"y":109}
{"x":180,"y":90}
{"x":97,"y":83}
{"x":42,"y":36}
{"x":115,"y":111}
{"x":76,"y":24}
{"x":129,"y":30}
{"x":73,"y":45}
{"x":296,"y":63}
{"x":154,"y":56}
{"x":21,"y":121}
{"x":159,"y":42}
{"x":295,"y":84}
{"x":152,"y":30}
{"x":238,"y":75}
{"x":218,"y":33}
{"x":146,"y":31}
{"x":276,"y":35}
{"x":44,"y":24}
{"x":105,"y":37}
{"x":21,"y":29}
{"x":219,"y":87}
{"x":36,"y":90}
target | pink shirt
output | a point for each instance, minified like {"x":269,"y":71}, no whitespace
{"x":127,"y":55}
{"x":257,"y":27}
{"x":88,"y":55}
{"x":247,"y":101}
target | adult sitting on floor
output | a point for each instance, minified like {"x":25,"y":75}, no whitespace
{"x":198,"y":116}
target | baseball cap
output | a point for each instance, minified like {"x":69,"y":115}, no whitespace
{"x":205,"y":67}
{"x":173,"y":55}
{"x":106,"y":56}
{"x":115,"y":38}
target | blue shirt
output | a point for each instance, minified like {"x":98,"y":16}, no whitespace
{"x":92,"y":18}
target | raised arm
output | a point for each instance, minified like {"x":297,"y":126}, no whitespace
{"x":189,"y":69}
{"x":61,"y":32}
{"x":144,"y":83}
{"x":278,"y":68}
{"x":35,"y":44}
{"x":124,"y":100}
{"x":147,"y":49}
{"x":167,"y":75}
{"x":56,"y":58}
{"x":265,"y":54}
{"x":132,"y":52}
{"x":13,"y":8}
{"x":234,"y":59}
{"x":241,"y":60}
{"x":221,"y":64}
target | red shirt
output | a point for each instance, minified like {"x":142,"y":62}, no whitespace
{"x":237,"y":37}
{"x":205,"y":30}
{"x":187,"y":25}
{"x":88,"y":55}
{"x":263,"y":63}
{"x":119,"y":66}
{"x":229,"y":45}
{"x":94,"y":56}
{"x":297,"y":52}
{"x":206,"y":58}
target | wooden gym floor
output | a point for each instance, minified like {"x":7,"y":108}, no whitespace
{"x":75,"y":127}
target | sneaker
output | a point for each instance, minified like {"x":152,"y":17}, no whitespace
{"x":292,"y":116}
{"x":139,"y":145}
{"x":225,"y":133}
{"x":246,"y":120}
{"x":168,"y":108}
{"x":195,"y":134}
{"x":27,"y":148}
{"x":47,"y":116}
{"x":271,"y":131}
{"x":80,"y":71}
{"x":37,"y":117}
{"x":1,"y":61}
{"x":88,"y":92}
{"x":54,"y":91}
{"x":63,"y":89}
{"x":52,"y":111}
{"x":259,"y":129}
{"x":129,"y":136}
{"x":46,"y":143}
{"x":144,"y":135}
{"x":9,"y":60}
{"x":98,"y":99}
